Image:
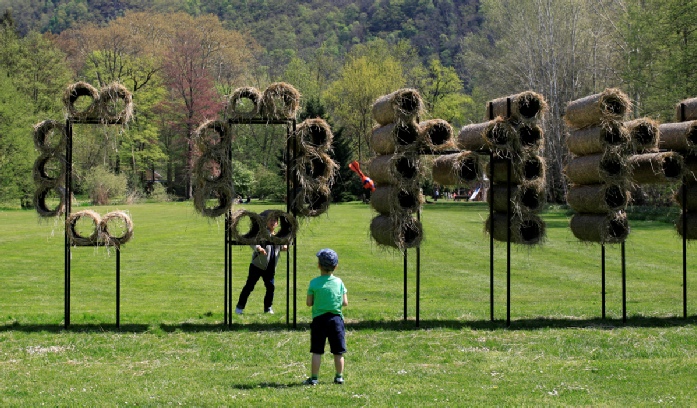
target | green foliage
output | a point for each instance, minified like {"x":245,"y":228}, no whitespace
{"x":159,"y":193}
{"x":102,"y":185}
{"x":242,"y":178}
{"x":269,"y":185}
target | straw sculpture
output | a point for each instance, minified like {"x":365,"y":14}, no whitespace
{"x":525,"y":106}
{"x":691,"y":225}
{"x":73,"y":93}
{"x":403,"y":233}
{"x":686,"y":110}
{"x":212,"y":166}
{"x":690,"y":167}
{"x":403,"y":105}
{"x":474,"y":137}
{"x":690,"y":195}
{"x":280,"y":101}
{"x":50,"y":136}
{"x":597,"y":139}
{"x":312,"y":202}
{"x":597,"y":198}
{"x":610,"y":105}
{"x":531,"y":136}
{"x":115,"y":104}
{"x":643,"y":135}
{"x":528,"y":229}
{"x":221,"y":191}
{"x":213,"y":135}
{"x":113,"y":222}
{"x":652,"y":168}
{"x":609,"y":167}
{"x":244,"y":103}
{"x":395,"y":137}
{"x":457,"y":168}
{"x":600,"y":228}
{"x":388,"y":200}
{"x":246,"y":227}
{"x":315,"y":169}
{"x":525,"y":198}
{"x":288,"y":226}
{"x":49,"y":169}
{"x":436,"y":135}
{"x":75,"y":237}
{"x":679,"y":137}
{"x":524,"y":168}
{"x":312,"y":135}
{"x":42,"y":208}
{"x":398,"y":169}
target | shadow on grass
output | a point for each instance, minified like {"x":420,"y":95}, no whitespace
{"x":379,"y":325}
{"x":267,"y":385}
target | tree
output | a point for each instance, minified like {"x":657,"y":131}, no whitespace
{"x":443,"y":93}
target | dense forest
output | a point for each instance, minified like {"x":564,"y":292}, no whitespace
{"x":180,"y":58}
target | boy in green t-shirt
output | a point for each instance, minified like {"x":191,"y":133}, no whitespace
{"x":327,"y":295}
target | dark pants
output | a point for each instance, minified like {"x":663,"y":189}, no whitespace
{"x":252,"y":278}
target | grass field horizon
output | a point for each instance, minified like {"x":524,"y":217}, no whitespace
{"x":173,"y":348}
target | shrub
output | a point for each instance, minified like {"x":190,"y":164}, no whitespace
{"x":102,"y":185}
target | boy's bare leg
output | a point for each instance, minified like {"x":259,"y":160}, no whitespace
{"x":339,"y":363}
{"x":316,"y":362}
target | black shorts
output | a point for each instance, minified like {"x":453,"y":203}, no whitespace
{"x":327,"y":326}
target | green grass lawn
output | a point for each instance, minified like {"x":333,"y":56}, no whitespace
{"x":172,"y":347}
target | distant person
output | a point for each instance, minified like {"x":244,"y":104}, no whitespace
{"x":327,"y":295}
{"x":263,"y":265}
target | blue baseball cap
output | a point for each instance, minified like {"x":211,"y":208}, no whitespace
{"x":328,"y":258}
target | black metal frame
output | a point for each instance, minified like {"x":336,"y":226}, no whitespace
{"x":291,"y":183}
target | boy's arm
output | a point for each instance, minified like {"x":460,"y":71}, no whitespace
{"x":310,"y":300}
{"x":344,"y":301}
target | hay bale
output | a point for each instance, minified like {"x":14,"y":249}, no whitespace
{"x":608,"y":167}
{"x":436,"y":135}
{"x":49,"y":169}
{"x":643,"y":135}
{"x":531,"y":136}
{"x":212,"y":166}
{"x":396,"y":169}
{"x":287,"y":223}
{"x":403,"y":105}
{"x":601,"y":228}
{"x":597,"y":198}
{"x":457,"y":168}
{"x":686,"y":110}
{"x":690,"y":192}
{"x":315,"y":169}
{"x":691,"y":225}
{"x":597,"y":139}
{"x":526,"y":229}
{"x":607,"y":106}
{"x":312,"y":135}
{"x":78,"y":239}
{"x":524,"y":168}
{"x":253,"y":226}
{"x":115,"y":104}
{"x":116,"y":229}
{"x":388,"y":199}
{"x":474,"y":137}
{"x":50,"y":136}
{"x":42,"y":194}
{"x":244,"y":103}
{"x":394,"y":137}
{"x":525,"y":198}
{"x":221,"y":191}
{"x":400,"y":233}
{"x":280,"y":101}
{"x":652,"y":168}
{"x":312,"y":202}
{"x":525,"y":106}
{"x":79,"y":90}
{"x":679,"y":137}
{"x":213,"y":135}
{"x":497,"y":135}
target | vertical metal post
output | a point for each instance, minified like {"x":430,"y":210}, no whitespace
{"x":226,"y":243}
{"x":118,"y":287}
{"x":508,"y":239}
{"x":295,"y":247}
{"x":624,"y":287}
{"x":68,"y":209}
{"x":684,"y":232}
{"x":418,"y":276}
{"x":602,"y":277}
{"x":288,"y":209}
{"x":405,"y":284}
{"x":490,"y":196}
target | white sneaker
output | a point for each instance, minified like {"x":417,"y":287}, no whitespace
{"x":238,"y":310}
{"x":269,"y":311}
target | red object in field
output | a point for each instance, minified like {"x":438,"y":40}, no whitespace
{"x":365,"y":180}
